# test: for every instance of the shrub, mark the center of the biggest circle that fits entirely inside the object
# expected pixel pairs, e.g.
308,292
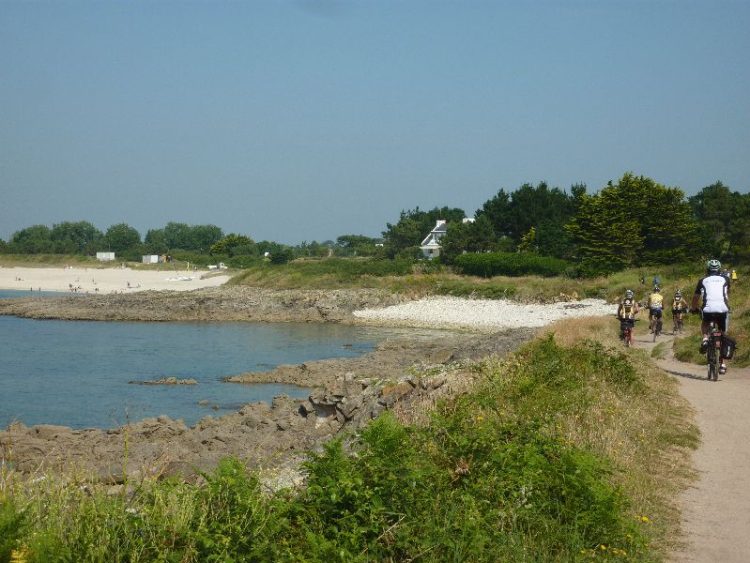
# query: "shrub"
510,264
11,522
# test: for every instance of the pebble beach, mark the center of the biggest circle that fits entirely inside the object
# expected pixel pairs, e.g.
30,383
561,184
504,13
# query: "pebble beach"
481,314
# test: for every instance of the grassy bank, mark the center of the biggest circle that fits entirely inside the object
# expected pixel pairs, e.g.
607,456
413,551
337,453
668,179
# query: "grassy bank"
568,450
427,278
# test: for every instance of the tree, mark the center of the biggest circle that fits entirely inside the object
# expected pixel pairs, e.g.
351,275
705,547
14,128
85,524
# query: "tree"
607,239
235,245
282,256
515,214
32,240
528,242
121,238
156,241
204,236
724,219
75,237
356,245
198,238
314,249
476,236
635,221
178,236
497,211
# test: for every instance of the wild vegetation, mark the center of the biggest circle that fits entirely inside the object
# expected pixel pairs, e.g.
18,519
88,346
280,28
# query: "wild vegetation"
634,221
571,449
556,453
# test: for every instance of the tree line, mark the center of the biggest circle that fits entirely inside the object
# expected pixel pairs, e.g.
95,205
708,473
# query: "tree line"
634,221
175,239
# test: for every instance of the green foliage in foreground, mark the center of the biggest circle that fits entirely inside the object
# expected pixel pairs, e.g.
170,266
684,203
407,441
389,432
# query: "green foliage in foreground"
492,477
510,264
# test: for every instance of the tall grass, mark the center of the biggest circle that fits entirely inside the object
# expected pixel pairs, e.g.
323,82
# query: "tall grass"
561,452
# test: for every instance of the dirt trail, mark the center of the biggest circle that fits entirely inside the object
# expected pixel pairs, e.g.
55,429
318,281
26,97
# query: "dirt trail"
716,509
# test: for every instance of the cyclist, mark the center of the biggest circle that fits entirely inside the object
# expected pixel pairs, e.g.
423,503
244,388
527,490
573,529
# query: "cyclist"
712,292
679,307
655,306
626,311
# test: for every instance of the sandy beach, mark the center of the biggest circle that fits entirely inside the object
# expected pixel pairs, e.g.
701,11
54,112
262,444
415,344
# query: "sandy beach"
107,280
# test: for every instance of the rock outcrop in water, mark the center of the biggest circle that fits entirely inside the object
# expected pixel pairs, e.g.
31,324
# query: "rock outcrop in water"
403,375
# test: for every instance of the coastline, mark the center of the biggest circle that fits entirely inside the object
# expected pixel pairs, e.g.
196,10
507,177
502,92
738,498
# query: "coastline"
406,374
107,280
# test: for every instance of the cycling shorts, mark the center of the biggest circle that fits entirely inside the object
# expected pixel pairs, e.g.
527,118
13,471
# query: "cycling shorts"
719,318
656,312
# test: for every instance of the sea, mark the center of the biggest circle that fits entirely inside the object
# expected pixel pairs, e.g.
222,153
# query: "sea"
79,373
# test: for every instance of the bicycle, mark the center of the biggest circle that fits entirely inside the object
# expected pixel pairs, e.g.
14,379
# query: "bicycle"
678,318
627,326
713,351
656,322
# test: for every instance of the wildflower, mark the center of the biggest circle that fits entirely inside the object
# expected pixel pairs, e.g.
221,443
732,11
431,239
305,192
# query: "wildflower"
645,519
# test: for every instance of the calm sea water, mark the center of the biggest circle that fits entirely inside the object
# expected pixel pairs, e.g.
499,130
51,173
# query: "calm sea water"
76,373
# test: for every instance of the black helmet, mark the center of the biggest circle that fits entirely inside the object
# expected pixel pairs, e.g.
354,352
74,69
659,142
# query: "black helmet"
657,289
713,266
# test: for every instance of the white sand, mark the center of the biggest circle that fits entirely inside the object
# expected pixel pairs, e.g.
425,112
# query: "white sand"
107,280
483,314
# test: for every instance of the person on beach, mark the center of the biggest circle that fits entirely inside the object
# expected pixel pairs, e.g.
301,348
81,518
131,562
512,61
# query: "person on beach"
711,298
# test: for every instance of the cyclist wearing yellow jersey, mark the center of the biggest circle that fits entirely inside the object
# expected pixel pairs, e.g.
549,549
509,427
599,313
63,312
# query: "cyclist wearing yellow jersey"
655,306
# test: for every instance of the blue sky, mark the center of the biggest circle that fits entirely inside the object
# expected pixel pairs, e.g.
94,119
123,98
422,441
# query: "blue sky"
306,120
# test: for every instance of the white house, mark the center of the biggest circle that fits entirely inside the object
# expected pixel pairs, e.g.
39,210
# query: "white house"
105,256
431,244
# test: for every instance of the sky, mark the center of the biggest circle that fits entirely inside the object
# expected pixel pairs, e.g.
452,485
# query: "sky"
306,120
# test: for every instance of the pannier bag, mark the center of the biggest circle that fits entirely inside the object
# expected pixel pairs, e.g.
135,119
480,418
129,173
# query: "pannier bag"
728,346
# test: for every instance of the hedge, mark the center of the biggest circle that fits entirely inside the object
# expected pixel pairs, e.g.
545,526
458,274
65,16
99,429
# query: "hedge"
510,264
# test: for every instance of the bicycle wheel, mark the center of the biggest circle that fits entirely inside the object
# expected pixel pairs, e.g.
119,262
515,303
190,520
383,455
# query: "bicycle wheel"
717,362
710,359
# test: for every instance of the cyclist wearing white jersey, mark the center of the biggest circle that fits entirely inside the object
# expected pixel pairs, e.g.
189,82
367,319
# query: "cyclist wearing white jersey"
712,296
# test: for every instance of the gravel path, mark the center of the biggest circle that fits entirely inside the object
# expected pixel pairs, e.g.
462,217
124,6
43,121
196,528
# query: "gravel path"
716,508
482,314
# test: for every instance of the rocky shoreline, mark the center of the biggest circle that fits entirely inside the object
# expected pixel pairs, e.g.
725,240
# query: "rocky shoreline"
226,303
403,374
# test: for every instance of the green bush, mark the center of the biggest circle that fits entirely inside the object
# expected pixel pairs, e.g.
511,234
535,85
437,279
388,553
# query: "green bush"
11,523
510,264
